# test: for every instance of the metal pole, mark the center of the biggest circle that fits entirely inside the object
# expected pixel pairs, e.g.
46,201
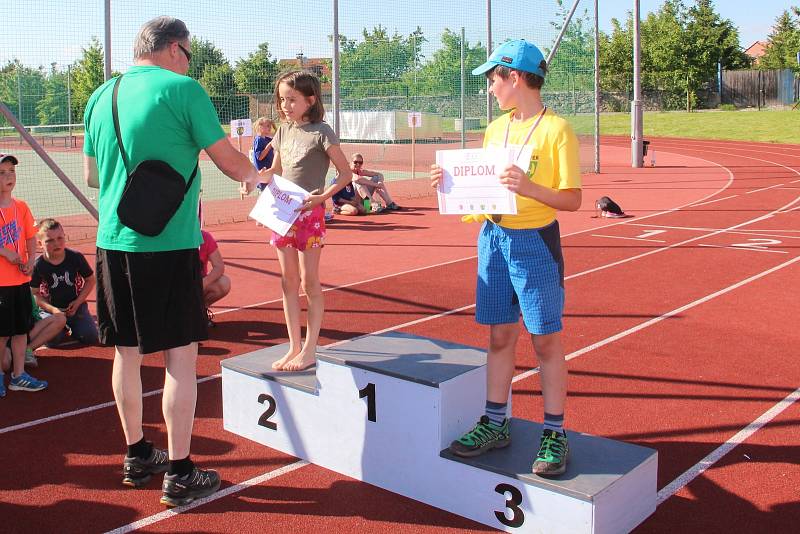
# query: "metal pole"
48,160
637,157
596,89
19,90
488,53
107,44
564,27
463,74
69,102
335,86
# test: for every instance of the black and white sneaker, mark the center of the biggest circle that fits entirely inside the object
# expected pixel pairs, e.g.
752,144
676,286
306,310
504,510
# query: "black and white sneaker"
137,472
180,491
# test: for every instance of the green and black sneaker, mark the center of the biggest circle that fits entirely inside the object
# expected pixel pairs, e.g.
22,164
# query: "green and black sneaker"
484,437
553,452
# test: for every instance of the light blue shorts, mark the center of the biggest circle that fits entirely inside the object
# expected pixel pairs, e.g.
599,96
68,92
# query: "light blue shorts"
520,271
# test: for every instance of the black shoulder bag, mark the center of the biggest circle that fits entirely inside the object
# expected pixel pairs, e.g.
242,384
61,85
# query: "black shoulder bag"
153,190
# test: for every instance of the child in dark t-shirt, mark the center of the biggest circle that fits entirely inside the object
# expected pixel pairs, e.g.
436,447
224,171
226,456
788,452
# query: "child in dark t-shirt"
61,282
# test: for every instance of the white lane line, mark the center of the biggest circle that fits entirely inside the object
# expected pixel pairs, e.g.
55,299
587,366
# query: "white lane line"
794,181
351,284
88,409
717,454
751,249
166,514
712,201
631,238
781,233
763,189
656,320
790,209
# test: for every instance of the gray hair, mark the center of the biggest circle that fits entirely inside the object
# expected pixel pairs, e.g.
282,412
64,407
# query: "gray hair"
157,34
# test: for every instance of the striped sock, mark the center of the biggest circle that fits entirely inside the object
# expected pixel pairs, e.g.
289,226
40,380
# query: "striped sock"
554,422
496,412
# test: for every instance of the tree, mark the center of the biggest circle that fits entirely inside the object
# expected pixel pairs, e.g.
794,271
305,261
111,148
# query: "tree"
376,65
204,53
217,80
21,89
87,75
572,65
52,109
442,74
257,73
616,56
783,43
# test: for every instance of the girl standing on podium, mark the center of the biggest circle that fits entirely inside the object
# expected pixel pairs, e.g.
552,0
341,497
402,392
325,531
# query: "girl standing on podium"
304,146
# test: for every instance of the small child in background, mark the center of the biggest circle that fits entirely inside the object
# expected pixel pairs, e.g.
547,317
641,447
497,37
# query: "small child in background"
17,255
263,153
62,281
215,284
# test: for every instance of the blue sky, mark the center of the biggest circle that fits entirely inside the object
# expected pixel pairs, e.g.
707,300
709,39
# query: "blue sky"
40,32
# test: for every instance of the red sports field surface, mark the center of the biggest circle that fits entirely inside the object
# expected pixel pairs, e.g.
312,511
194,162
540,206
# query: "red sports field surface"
678,327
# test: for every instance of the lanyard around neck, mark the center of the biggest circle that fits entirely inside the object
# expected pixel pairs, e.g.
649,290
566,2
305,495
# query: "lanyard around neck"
16,243
530,132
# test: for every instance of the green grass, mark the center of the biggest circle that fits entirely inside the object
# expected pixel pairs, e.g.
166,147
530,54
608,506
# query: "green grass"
769,126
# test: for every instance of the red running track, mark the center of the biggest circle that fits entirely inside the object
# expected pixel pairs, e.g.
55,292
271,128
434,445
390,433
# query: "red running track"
678,328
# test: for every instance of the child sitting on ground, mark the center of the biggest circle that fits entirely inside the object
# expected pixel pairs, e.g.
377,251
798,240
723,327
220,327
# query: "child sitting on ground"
61,282
215,284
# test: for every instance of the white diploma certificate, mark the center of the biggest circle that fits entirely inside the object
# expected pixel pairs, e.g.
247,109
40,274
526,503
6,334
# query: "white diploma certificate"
276,207
470,182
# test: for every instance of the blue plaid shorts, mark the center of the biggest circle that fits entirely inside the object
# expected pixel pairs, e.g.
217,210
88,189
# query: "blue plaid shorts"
520,271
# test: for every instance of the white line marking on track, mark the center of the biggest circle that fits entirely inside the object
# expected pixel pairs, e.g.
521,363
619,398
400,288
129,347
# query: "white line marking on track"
712,201
700,467
166,514
763,189
724,230
631,238
752,249
655,320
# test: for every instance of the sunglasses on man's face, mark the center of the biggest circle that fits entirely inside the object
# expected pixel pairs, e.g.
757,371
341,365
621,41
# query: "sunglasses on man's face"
185,52
358,162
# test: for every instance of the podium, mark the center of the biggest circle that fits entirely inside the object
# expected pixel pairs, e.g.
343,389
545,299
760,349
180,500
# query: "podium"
383,409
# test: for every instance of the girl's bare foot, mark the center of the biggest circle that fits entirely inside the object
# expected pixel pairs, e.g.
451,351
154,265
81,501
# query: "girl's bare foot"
279,364
301,362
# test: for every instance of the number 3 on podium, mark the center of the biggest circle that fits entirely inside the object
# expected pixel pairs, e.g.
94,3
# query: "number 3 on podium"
369,392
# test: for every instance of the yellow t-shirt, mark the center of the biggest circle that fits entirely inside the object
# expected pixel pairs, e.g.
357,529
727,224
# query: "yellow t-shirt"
553,162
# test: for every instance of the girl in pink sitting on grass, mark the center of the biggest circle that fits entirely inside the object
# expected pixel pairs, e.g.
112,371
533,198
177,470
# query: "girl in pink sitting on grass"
304,148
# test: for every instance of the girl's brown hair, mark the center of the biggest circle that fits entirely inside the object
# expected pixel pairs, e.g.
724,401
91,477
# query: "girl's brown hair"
307,84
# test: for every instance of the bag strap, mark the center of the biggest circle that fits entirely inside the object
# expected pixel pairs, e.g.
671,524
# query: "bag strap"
115,114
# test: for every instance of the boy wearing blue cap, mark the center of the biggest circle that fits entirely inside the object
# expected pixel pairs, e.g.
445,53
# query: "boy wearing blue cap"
520,265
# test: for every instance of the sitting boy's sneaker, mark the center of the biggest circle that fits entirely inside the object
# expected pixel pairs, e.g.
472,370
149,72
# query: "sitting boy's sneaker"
2,385
393,206
26,382
30,358
553,452
484,437
180,491
137,472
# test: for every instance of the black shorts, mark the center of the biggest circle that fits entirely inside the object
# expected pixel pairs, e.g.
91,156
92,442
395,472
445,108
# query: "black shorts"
16,310
150,300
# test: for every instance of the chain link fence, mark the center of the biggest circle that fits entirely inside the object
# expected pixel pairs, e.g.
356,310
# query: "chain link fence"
394,58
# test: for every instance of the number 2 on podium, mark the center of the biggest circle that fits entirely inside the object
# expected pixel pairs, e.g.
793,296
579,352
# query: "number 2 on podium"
270,411
369,392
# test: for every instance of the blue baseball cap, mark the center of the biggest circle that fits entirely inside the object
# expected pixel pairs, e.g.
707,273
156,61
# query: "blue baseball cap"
519,55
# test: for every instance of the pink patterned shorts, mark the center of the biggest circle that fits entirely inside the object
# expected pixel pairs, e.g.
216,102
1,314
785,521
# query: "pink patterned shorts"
308,231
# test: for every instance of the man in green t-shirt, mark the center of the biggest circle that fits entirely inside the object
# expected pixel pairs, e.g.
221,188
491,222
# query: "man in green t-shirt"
149,288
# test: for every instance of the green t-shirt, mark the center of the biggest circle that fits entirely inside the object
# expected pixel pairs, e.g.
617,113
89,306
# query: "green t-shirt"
162,115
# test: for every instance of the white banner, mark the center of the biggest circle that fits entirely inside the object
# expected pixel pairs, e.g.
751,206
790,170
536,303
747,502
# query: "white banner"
241,128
